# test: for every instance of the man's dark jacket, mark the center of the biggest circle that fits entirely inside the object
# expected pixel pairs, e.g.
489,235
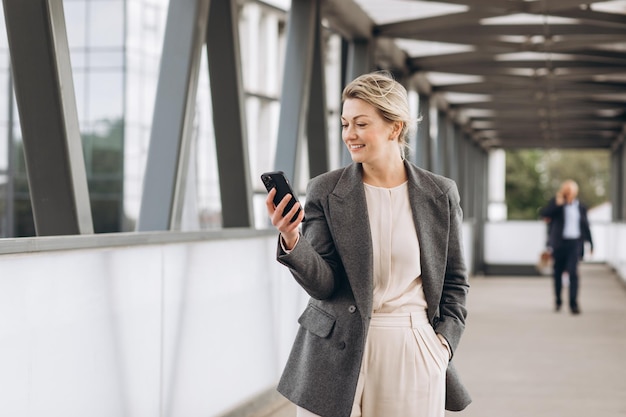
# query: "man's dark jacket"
556,214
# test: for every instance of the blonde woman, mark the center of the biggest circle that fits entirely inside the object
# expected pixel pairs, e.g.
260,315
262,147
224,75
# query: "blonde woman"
380,255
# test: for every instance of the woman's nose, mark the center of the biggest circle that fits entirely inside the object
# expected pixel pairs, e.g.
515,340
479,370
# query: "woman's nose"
348,133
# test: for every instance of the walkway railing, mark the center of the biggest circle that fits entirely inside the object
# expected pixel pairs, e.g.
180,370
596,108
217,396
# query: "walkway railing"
143,324
513,247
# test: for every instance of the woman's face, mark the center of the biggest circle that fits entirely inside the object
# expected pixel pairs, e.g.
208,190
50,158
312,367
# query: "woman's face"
369,137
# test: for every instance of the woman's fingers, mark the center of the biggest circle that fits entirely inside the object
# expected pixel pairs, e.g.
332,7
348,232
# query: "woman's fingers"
269,202
283,222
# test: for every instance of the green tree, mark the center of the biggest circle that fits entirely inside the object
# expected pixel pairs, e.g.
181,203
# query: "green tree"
533,176
589,168
525,190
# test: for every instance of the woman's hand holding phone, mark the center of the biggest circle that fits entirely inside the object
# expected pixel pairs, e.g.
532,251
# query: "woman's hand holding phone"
283,222
283,207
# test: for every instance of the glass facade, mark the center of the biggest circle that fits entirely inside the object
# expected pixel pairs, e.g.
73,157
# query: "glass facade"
115,48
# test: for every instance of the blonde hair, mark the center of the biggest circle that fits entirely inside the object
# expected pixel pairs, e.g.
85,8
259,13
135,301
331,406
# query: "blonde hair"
387,96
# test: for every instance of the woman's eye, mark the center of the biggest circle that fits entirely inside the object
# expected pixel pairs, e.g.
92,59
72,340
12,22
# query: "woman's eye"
361,124
343,125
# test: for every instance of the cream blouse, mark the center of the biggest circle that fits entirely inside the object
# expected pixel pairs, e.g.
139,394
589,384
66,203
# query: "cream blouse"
397,269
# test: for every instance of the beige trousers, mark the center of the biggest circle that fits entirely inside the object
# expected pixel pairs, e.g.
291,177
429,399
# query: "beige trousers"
403,373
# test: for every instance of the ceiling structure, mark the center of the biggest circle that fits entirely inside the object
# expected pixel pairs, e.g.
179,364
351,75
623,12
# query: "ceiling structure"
513,73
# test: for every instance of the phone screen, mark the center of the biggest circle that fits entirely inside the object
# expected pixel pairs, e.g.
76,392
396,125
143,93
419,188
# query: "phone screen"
277,179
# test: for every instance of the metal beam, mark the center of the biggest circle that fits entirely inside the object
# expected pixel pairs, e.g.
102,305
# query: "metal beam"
359,62
46,102
229,119
347,18
301,27
620,183
591,17
452,151
166,169
407,28
424,141
317,125
441,142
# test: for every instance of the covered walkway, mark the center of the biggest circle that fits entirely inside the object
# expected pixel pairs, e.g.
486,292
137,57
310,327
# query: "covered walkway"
132,217
519,358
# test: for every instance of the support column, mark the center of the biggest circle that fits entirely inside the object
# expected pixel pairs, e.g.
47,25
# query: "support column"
481,206
229,119
358,62
614,184
424,142
317,125
452,141
472,182
46,103
359,58
166,167
301,27
497,210
620,210
441,142
9,210
463,162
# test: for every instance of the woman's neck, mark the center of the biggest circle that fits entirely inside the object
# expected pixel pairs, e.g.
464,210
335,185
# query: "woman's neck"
387,177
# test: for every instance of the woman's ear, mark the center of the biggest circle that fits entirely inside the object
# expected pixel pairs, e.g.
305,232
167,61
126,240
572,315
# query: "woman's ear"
396,129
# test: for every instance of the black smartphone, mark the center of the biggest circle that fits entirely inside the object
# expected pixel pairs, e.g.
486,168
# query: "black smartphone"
277,179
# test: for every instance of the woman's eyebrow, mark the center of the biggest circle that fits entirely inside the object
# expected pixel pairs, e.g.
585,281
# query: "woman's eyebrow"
357,116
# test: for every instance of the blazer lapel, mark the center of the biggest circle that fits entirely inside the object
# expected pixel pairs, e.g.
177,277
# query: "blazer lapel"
350,227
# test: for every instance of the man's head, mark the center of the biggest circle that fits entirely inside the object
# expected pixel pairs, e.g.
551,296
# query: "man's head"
569,190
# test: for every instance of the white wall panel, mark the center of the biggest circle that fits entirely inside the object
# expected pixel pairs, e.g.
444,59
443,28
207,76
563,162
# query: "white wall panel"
181,329
521,242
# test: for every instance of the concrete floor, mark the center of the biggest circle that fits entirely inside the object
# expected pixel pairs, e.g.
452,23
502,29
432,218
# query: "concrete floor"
519,358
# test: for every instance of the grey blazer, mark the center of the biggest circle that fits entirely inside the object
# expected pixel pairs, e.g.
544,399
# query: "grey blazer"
333,262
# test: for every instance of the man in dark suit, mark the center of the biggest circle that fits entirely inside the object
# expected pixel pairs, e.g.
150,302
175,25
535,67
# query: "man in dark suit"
568,232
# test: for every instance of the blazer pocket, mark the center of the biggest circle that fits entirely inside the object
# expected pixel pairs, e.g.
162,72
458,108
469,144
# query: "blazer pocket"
317,321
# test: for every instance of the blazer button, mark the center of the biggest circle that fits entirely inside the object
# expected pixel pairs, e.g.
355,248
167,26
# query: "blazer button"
352,309
341,345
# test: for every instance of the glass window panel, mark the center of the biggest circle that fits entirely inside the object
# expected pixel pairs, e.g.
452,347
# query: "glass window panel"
3,33
105,210
134,60
106,59
4,59
106,23
75,23
105,96
17,129
135,152
78,58
4,95
202,190
80,92
153,27
4,147
133,27
152,18
148,92
134,97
